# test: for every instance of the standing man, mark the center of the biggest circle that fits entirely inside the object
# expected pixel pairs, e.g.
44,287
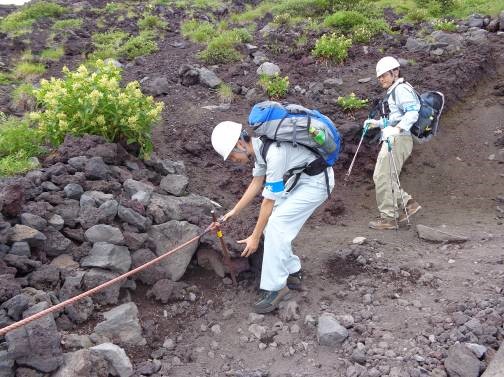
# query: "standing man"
403,106
283,211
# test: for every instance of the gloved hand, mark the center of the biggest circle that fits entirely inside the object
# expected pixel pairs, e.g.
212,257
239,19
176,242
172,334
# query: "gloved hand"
372,123
389,132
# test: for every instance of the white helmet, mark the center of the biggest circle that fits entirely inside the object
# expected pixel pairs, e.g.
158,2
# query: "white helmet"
388,63
225,135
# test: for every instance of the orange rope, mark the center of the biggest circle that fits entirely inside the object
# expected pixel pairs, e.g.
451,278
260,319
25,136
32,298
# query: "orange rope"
101,287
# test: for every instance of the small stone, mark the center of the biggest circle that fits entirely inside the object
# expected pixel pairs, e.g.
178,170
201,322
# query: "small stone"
169,344
359,240
227,313
262,346
364,80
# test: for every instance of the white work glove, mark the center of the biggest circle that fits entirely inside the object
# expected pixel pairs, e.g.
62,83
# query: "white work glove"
390,132
372,123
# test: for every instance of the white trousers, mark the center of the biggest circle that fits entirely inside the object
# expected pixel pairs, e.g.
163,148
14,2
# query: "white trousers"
289,214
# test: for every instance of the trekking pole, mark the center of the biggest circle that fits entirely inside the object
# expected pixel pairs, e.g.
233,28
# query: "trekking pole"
400,188
347,175
391,158
225,251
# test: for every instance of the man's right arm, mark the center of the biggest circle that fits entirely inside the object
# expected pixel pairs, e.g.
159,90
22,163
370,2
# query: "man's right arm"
252,191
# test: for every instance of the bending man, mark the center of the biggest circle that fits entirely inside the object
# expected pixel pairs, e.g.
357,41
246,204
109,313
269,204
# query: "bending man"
282,213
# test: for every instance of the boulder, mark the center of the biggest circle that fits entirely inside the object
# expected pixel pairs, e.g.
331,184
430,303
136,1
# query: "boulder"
109,209
268,69
23,233
6,365
209,78
118,362
133,218
135,241
104,233
45,278
139,191
96,169
109,257
57,222
165,289
83,363
169,235
17,305
439,234
478,36
174,184
95,277
156,86
12,198
476,21
94,198
73,191
461,362
33,221
78,163
501,21
451,41
37,344
21,249
152,274
416,45
69,211
188,75
56,244
164,167
191,208
122,326
72,286
329,331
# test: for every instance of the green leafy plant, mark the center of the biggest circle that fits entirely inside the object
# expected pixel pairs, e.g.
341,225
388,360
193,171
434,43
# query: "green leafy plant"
21,21
70,24
225,93
152,22
26,69
345,20
140,45
5,78
94,102
52,54
276,87
351,102
333,47
445,25
221,49
19,143
198,31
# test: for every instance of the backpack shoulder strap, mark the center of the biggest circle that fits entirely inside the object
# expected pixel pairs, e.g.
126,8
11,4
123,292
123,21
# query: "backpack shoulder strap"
266,146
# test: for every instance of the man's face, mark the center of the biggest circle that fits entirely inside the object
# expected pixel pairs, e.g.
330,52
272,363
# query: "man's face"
239,155
386,80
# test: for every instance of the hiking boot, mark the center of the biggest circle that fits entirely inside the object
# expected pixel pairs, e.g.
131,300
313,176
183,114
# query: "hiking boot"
383,224
270,300
412,207
295,280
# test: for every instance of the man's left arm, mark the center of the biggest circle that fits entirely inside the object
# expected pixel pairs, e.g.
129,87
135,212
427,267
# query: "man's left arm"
252,242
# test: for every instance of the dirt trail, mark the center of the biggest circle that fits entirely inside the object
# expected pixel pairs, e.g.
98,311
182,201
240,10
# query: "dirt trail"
456,184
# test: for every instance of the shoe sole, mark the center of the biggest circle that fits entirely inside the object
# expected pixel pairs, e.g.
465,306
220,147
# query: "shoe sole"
410,214
295,287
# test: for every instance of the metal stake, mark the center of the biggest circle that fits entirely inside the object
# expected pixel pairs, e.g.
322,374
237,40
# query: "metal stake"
225,251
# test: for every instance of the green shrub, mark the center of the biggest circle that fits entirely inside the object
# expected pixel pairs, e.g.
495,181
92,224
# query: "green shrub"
192,4
225,93
17,163
5,78
221,49
416,15
344,20
16,135
445,25
70,24
93,102
364,33
23,97
151,22
52,54
303,8
351,102
108,44
113,7
276,87
28,69
20,21
140,45
333,47
198,31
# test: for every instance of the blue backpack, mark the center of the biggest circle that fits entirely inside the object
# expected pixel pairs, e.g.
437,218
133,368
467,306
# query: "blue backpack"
291,123
273,122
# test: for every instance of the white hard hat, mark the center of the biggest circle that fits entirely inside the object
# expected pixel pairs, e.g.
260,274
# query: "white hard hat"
388,63
225,135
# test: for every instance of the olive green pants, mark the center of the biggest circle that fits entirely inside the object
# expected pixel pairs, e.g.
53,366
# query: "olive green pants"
401,150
